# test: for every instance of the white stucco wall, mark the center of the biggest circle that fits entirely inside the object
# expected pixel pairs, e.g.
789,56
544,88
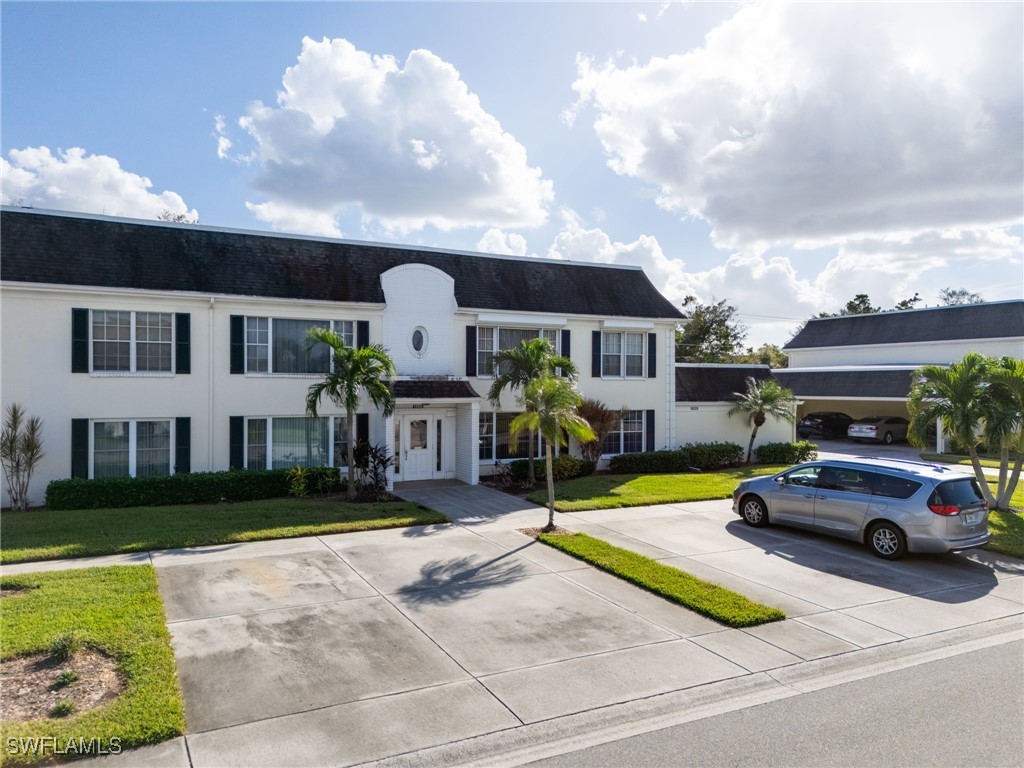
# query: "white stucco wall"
419,296
710,422
918,353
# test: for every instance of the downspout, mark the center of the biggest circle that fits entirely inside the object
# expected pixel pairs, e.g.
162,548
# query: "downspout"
211,373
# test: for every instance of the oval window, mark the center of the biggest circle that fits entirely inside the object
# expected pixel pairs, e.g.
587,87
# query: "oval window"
419,341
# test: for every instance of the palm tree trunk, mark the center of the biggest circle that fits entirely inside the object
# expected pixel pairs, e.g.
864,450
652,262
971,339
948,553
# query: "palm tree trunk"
350,428
551,488
980,474
1004,499
1004,464
750,446
531,479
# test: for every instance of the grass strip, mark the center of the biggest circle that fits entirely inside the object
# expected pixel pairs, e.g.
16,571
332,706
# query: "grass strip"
116,610
711,600
614,491
953,458
42,534
1007,531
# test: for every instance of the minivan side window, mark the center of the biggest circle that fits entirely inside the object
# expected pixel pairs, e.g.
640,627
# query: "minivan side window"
805,476
845,479
895,487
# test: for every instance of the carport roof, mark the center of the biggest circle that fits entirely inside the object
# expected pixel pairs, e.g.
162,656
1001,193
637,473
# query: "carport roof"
701,383
991,320
886,383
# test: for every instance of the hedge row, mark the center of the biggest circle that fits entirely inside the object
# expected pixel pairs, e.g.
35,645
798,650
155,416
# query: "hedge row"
193,488
690,457
786,453
563,467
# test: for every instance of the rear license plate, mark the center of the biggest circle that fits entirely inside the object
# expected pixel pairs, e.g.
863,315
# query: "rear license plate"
970,518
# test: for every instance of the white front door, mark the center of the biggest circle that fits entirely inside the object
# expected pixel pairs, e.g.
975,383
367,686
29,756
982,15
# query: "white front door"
418,448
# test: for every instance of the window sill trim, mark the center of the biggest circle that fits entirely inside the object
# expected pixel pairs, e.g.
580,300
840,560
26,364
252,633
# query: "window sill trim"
132,374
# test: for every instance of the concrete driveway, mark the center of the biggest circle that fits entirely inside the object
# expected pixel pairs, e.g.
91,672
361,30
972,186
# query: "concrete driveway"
344,649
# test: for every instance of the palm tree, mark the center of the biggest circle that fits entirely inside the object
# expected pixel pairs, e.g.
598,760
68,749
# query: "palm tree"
763,399
516,367
957,396
367,369
551,403
1004,423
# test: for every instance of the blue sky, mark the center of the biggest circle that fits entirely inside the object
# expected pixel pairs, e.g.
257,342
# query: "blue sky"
783,157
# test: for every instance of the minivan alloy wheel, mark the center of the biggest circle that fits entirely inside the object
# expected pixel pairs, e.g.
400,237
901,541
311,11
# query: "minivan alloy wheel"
887,541
754,512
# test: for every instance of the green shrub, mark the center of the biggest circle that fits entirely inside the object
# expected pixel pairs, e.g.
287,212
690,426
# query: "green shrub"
690,457
66,678
786,453
297,478
66,646
62,708
193,488
564,467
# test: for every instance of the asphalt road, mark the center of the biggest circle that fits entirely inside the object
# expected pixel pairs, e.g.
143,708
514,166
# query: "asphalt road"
966,710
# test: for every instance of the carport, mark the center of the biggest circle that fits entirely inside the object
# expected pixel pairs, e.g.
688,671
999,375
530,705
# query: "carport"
858,391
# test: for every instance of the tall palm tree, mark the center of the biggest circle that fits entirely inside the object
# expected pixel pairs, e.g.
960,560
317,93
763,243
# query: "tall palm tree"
551,403
367,369
958,396
1004,423
763,399
516,367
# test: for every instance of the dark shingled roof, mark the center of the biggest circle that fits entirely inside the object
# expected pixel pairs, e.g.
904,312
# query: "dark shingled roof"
97,251
837,384
969,321
715,384
433,389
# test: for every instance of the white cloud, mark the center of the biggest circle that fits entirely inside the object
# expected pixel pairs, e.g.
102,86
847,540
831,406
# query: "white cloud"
505,243
406,145
819,123
73,180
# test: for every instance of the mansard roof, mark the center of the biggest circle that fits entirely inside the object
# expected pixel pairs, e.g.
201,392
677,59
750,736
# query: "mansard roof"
709,383
840,383
89,250
991,320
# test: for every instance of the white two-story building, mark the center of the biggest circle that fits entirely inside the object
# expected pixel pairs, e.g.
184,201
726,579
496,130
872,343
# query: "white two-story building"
150,348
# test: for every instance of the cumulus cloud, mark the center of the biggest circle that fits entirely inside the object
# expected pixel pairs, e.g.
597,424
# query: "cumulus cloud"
404,145
73,180
816,124
505,243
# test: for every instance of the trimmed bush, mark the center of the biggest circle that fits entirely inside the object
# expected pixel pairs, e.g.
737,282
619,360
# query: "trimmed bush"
564,467
193,488
690,457
786,453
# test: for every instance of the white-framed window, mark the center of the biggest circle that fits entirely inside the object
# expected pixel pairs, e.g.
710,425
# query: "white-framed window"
283,442
622,354
131,342
491,339
278,345
130,448
628,438
496,443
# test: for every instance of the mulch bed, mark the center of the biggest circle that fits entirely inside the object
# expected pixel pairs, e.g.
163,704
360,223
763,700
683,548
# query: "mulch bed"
31,688
533,533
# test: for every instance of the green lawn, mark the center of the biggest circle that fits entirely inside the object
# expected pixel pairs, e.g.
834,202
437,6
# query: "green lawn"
612,491
47,534
953,458
118,611
711,600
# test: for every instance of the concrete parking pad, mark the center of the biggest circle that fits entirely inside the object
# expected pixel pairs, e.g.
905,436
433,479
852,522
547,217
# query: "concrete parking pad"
860,633
914,616
800,639
356,732
168,754
540,693
397,564
496,627
241,585
751,653
236,669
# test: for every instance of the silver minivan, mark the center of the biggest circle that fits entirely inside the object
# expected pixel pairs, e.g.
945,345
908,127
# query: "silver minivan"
891,505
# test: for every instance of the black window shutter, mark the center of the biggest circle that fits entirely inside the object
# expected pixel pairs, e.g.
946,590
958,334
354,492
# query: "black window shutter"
182,444
650,430
566,350
362,333
80,341
182,342
236,439
652,355
471,350
362,428
237,345
595,355
80,448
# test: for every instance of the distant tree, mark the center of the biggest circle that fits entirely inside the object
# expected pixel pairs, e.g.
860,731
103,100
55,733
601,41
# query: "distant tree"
367,369
861,305
551,404
712,333
603,421
908,303
954,297
766,354
763,399
177,218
